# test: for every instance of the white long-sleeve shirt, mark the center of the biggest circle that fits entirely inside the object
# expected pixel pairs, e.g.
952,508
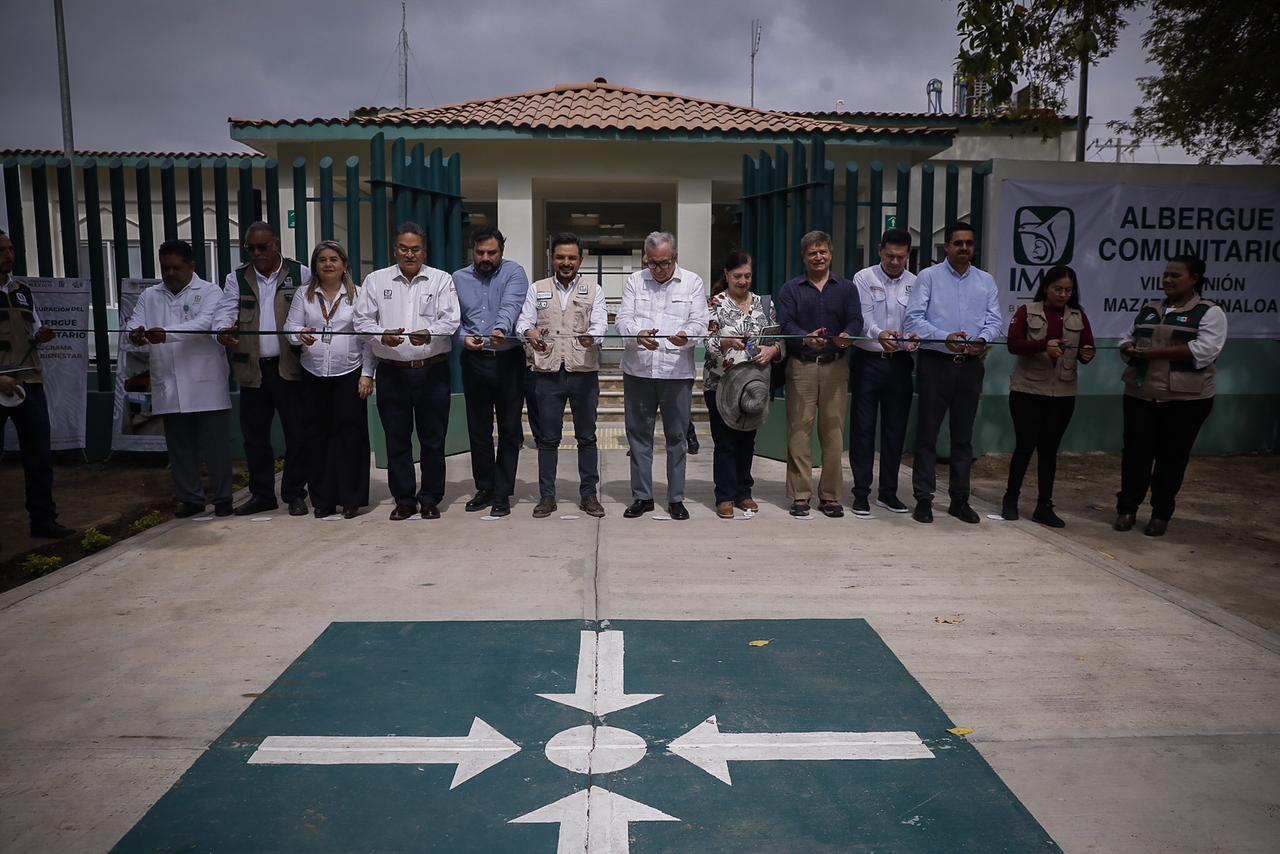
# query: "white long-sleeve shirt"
529,313
189,370
1210,338
343,353
884,303
672,307
269,345
388,300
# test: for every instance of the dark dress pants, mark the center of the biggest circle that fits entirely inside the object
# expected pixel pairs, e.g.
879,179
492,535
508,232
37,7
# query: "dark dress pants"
582,392
1039,423
337,441
410,398
258,408
879,385
193,438
945,386
494,386
532,404
731,458
31,421
1158,438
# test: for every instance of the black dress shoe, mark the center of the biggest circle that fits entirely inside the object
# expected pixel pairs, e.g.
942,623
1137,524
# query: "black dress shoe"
693,446
222,509
638,508
298,507
501,507
962,511
350,512
676,510
320,512
480,501
184,510
1009,507
428,509
54,531
256,505
1156,527
1124,522
1045,516
924,511
402,512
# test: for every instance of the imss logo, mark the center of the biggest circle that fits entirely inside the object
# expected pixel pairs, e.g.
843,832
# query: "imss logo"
1043,235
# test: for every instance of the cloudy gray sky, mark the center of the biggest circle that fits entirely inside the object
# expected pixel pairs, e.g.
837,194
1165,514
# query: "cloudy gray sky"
166,74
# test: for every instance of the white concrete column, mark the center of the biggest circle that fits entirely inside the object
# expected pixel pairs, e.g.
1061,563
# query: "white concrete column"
693,225
515,219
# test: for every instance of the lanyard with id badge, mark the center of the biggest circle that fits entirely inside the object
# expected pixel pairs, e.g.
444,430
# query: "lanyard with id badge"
327,312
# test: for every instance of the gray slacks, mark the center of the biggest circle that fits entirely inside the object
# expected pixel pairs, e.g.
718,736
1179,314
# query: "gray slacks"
644,398
193,438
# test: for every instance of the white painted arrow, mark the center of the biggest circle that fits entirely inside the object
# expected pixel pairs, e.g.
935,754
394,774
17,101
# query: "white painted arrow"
712,750
609,815
480,749
599,685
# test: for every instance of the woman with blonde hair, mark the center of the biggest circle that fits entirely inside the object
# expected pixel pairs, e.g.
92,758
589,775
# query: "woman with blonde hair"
338,379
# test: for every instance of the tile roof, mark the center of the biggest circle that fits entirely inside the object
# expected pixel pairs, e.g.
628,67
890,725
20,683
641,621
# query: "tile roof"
130,155
601,107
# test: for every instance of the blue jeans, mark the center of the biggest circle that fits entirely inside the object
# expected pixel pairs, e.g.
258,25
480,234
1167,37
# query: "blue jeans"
31,419
582,392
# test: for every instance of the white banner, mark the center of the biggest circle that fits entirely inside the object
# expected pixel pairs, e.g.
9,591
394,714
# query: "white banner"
1118,238
136,429
62,304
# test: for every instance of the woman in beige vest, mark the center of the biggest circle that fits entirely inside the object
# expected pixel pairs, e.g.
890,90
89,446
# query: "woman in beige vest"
1051,338
1168,391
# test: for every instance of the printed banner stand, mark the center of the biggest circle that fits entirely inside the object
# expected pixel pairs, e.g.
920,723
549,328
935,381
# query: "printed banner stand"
135,428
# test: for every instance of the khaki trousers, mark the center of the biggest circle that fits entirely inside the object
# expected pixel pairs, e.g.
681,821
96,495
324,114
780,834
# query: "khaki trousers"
821,392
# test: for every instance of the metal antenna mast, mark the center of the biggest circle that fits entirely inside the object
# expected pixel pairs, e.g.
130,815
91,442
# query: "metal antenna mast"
757,30
402,52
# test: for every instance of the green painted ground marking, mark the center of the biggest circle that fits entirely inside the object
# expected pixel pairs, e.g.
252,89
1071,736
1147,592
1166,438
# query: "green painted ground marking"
536,737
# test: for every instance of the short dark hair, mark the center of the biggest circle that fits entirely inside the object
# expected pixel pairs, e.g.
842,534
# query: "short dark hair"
735,259
410,227
259,225
487,232
896,237
1056,274
815,238
1194,264
181,248
564,238
958,225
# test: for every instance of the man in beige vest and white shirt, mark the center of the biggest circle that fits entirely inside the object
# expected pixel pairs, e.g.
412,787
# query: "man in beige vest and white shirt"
563,319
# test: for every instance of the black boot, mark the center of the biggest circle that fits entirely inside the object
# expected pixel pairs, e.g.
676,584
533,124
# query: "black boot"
1045,516
1009,507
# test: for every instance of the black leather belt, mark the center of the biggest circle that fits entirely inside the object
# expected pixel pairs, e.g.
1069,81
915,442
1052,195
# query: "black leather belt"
820,358
414,363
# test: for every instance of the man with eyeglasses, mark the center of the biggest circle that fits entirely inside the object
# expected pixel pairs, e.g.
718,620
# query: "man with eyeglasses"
255,300
663,305
412,309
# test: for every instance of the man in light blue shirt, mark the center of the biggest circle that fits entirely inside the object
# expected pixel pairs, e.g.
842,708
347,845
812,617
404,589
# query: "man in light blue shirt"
956,308
491,294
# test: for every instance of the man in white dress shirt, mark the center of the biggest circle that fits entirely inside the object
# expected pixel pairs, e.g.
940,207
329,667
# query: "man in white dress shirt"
172,321
256,296
663,304
413,309
880,379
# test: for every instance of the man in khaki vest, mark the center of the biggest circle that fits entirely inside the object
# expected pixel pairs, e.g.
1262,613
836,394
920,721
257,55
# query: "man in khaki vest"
267,369
22,394
563,319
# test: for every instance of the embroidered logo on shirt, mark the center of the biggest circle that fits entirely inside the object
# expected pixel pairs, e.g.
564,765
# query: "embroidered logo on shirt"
20,297
386,294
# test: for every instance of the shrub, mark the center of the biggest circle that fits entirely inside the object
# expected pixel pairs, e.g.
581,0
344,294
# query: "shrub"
37,564
94,540
144,522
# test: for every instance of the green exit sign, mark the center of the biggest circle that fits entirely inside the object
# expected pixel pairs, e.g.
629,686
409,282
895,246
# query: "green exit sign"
890,220
292,216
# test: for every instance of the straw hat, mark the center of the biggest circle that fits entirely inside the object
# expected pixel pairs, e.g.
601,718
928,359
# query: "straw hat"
742,396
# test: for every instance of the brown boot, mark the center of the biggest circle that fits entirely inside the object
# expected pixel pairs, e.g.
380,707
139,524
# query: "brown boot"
545,507
591,506
748,504
725,509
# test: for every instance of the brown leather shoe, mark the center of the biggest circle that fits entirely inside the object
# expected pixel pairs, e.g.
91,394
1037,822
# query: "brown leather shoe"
429,510
725,509
545,507
402,512
748,504
591,506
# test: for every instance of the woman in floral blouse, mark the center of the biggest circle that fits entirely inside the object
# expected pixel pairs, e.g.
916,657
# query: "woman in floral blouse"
738,316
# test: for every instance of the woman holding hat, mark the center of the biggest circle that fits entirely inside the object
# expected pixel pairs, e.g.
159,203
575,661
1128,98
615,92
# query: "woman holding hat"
735,381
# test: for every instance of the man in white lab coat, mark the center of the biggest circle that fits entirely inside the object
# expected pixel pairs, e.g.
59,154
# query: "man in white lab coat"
188,376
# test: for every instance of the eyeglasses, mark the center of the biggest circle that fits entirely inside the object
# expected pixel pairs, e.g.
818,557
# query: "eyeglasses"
659,265
257,247
410,250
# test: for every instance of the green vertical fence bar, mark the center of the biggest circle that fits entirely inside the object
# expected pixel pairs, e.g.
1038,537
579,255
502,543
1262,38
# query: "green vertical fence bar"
119,224
146,224
421,205
70,227
400,200
97,273
797,200
977,208
436,183
222,218
195,192
378,195
13,203
764,225
817,197
326,198
748,222
244,203
826,203
301,243
169,199
875,216
272,170
902,202
926,215
40,201
852,252
353,215
453,208
778,201
952,198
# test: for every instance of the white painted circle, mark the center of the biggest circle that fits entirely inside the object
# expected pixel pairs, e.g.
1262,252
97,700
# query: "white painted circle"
595,750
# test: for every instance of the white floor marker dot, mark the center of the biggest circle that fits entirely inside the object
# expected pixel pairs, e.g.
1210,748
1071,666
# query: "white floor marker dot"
996,517
568,517
862,515
201,518
261,519
661,517
490,518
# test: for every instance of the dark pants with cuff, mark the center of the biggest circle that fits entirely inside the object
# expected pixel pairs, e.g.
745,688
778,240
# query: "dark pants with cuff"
494,386
258,408
1039,423
879,385
1158,438
31,421
731,458
582,392
337,441
945,386
193,438
409,399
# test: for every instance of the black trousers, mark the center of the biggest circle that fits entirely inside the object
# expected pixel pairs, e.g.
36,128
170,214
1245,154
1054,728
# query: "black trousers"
494,386
31,420
581,391
1158,438
732,456
193,438
945,386
532,405
337,441
258,408
410,398
1039,423
878,386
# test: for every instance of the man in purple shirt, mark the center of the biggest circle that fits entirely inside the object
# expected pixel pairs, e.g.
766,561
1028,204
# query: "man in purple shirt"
825,309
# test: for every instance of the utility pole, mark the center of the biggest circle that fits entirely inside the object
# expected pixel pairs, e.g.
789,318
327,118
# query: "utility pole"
64,85
757,30
402,53
1083,43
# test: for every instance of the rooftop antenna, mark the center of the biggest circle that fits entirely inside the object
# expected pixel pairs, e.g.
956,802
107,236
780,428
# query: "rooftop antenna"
402,53
934,92
757,30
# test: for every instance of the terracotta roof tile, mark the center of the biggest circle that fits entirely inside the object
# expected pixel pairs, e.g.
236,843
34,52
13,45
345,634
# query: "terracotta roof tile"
125,155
